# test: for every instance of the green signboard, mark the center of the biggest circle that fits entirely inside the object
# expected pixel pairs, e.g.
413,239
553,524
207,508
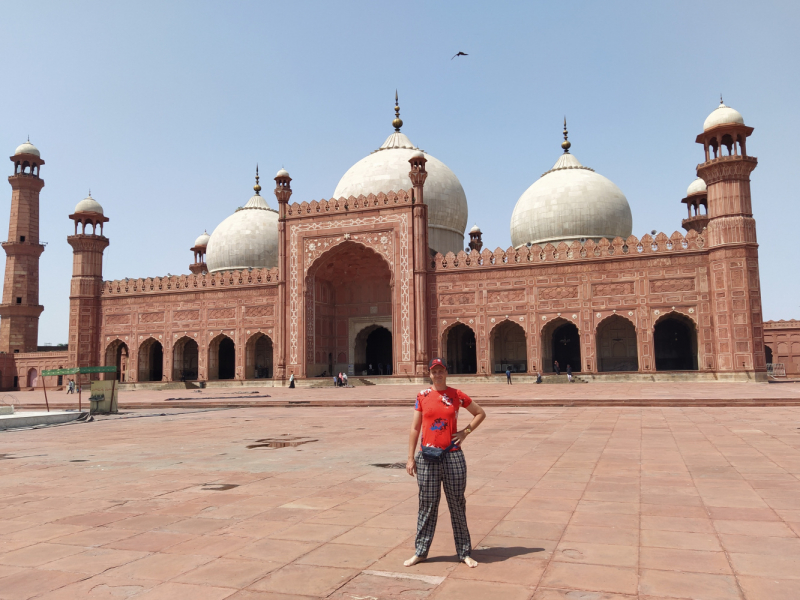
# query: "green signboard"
76,370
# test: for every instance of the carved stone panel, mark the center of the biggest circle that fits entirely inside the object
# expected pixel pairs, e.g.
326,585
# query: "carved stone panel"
506,296
558,293
118,319
221,313
621,288
186,315
671,285
259,311
457,299
151,317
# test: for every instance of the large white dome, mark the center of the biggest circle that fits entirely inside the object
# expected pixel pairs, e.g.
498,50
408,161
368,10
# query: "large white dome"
386,170
246,239
723,115
568,203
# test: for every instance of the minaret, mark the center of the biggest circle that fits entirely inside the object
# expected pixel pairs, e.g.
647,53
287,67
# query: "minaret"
87,283
20,310
731,238
199,265
283,191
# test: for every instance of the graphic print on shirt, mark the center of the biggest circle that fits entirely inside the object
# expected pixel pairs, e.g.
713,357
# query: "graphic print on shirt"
440,415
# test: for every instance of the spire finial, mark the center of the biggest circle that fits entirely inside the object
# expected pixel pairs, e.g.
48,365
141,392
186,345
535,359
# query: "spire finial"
720,99
90,192
565,144
398,122
29,138
257,187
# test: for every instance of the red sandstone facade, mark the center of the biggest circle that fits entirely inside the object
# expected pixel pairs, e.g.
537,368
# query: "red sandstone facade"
357,271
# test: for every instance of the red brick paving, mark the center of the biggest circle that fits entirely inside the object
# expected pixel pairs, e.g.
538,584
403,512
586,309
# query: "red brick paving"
607,503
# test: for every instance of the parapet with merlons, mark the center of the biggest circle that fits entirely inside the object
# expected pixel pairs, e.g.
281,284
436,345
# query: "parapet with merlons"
347,205
200,282
618,248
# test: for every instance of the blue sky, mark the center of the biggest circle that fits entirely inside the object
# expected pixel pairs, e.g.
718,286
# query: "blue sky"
163,109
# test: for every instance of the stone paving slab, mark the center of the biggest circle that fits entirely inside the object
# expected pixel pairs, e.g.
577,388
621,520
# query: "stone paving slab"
589,503
489,394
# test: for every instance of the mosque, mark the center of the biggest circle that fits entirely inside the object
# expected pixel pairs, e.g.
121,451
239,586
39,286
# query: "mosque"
380,278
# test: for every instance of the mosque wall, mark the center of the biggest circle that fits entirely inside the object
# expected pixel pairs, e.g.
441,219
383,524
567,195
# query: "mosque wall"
139,313
643,281
783,340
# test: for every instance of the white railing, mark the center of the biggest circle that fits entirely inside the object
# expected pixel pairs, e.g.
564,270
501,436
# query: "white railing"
776,370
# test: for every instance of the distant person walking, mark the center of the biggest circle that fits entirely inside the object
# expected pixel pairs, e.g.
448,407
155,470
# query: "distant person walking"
344,379
508,375
441,461
538,377
291,380
569,373
556,368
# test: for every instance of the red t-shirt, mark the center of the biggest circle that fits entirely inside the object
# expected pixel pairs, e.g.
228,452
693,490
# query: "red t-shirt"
440,415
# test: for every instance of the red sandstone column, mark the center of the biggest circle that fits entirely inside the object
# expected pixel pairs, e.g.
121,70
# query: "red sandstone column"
20,310
733,257
283,191
419,237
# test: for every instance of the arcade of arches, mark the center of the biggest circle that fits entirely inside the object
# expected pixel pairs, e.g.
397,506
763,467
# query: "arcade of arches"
352,299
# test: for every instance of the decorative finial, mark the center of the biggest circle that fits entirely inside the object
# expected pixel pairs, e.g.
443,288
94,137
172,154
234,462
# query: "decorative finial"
257,187
398,122
90,192
720,99
29,138
565,144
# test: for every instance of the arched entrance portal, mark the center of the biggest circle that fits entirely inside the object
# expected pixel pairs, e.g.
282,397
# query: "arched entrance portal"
185,356
768,352
509,348
221,358
460,349
373,351
350,289
117,355
675,341
33,378
258,354
561,341
616,345
151,360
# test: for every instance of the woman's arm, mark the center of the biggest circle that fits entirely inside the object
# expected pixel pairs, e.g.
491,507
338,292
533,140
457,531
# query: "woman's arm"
413,436
478,415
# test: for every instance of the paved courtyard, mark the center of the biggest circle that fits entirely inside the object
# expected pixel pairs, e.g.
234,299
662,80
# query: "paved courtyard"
564,503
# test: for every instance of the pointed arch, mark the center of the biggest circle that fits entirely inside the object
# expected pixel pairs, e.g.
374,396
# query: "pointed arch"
117,354
259,356
617,345
459,348
675,342
221,358
185,359
561,341
151,360
508,347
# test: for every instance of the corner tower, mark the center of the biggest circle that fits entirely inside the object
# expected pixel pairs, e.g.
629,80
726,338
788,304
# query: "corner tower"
20,310
731,239
87,283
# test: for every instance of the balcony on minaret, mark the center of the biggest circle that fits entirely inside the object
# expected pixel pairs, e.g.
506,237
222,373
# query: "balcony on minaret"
696,202
89,213
199,265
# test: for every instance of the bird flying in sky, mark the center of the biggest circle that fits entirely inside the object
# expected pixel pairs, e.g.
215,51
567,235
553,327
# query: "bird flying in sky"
460,54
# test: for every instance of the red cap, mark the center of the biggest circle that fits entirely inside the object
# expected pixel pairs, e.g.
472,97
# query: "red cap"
437,361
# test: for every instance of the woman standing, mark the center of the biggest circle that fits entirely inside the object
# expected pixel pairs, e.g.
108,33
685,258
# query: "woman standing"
441,461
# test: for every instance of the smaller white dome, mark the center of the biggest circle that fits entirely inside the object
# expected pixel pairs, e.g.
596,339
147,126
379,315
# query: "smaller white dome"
475,229
698,186
418,155
202,241
87,205
27,148
282,173
723,115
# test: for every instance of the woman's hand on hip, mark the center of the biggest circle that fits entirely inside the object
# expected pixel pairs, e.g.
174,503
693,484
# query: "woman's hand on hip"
458,437
411,467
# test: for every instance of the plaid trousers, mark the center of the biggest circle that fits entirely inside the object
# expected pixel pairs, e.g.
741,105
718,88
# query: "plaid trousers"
431,475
